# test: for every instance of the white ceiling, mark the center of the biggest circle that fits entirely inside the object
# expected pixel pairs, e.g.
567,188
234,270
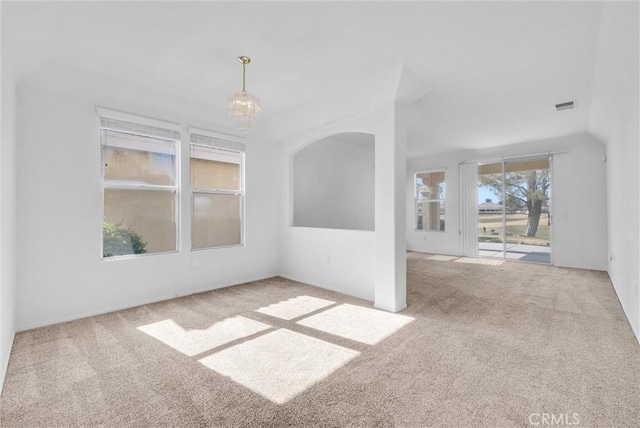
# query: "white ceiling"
494,70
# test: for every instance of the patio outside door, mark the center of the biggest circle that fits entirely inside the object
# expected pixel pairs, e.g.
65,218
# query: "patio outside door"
514,213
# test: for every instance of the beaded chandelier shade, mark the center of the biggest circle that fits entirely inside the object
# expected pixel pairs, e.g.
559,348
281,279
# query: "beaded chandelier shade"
244,107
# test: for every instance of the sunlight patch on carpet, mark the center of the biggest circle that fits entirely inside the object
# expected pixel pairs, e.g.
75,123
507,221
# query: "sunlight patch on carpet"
441,258
279,365
473,261
294,307
194,342
363,325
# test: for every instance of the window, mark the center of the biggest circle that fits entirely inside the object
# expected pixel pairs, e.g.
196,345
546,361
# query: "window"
217,202
140,188
430,197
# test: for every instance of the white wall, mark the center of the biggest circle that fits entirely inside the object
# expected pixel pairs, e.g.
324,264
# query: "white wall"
8,222
432,241
391,239
366,264
579,201
614,119
61,274
333,181
336,259
579,208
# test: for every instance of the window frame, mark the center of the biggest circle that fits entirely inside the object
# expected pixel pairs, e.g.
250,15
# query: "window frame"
106,185
219,142
417,202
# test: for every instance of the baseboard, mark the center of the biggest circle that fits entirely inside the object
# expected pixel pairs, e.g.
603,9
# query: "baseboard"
634,330
443,253
302,281
571,266
5,364
132,305
393,310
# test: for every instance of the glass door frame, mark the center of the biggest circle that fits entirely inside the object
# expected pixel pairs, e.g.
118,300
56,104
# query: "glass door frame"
503,162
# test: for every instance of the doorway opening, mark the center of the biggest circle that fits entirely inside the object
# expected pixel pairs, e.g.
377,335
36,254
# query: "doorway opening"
514,209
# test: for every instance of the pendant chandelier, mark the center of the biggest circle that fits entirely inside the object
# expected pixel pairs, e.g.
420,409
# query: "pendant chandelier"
244,108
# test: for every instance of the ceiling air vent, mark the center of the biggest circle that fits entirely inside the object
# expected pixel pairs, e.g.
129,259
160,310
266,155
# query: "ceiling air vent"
565,106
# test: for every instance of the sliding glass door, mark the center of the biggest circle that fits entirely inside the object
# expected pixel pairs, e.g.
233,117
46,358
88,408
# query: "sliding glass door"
491,220
514,213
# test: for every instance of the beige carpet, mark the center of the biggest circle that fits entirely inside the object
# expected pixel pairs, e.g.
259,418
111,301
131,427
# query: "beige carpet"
478,346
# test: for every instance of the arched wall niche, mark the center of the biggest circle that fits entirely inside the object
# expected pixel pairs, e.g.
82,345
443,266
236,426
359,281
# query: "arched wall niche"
333,182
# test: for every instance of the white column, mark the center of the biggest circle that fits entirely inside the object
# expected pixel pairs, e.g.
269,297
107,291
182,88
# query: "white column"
390,208
469,208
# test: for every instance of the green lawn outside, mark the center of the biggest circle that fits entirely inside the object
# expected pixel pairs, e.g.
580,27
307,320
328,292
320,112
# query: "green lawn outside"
516,226
489,218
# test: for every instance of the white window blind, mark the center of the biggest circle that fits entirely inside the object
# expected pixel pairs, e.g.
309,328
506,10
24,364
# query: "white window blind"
138,128
218,143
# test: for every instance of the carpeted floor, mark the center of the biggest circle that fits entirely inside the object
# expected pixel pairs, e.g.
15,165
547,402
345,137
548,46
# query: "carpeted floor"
488,346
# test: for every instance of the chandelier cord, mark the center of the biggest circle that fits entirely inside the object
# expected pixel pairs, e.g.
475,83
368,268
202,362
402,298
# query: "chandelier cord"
244,71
